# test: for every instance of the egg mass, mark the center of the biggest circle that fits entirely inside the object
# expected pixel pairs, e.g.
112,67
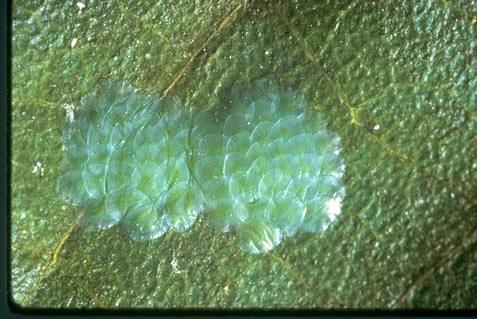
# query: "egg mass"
260,165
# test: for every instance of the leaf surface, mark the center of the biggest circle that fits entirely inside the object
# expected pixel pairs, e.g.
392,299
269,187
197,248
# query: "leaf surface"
396,81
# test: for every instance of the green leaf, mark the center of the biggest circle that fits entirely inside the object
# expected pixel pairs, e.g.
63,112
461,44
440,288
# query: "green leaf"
396,81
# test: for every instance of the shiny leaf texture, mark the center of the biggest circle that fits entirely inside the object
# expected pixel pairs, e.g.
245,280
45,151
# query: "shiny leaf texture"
395,80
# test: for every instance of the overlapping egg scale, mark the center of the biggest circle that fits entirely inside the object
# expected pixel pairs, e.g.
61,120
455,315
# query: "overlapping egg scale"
268,167
126,161
261,165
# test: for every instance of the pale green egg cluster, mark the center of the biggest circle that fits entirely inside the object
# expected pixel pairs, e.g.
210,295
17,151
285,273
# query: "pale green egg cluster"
268,167
259,165
127,161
